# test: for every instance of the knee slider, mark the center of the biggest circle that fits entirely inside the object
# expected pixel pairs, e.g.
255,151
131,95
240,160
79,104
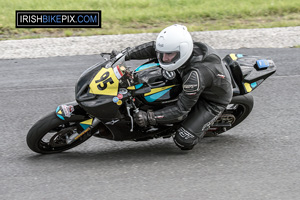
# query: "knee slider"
184,139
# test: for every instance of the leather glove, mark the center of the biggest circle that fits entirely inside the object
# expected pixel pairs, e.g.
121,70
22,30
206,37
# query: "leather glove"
144,119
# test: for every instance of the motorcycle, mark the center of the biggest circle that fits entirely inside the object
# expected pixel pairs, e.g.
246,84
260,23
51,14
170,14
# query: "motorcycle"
108,93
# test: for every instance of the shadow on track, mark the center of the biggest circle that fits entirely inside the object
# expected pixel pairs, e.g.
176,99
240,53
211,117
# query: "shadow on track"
208,148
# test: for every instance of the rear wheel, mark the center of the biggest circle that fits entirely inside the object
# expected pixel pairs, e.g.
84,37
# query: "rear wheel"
50,135
236,112
244,105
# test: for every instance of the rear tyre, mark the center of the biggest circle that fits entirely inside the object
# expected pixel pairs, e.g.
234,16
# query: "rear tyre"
244,107
50,133
238,110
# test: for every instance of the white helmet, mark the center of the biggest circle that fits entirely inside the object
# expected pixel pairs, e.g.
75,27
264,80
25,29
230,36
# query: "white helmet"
174,46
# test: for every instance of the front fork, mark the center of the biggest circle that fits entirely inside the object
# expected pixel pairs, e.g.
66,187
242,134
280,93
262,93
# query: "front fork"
71,112
75,136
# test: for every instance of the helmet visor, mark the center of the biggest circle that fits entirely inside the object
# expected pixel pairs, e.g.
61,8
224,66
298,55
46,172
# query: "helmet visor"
168,57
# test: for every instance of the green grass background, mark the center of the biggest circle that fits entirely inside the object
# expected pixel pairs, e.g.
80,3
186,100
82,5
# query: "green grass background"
140,16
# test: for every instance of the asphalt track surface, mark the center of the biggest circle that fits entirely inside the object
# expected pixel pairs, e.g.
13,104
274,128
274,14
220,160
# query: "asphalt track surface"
259,159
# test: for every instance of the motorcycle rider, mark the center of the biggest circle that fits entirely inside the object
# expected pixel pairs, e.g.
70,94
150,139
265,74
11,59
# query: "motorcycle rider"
207,88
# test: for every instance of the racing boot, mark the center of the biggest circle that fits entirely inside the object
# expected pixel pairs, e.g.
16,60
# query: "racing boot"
184,139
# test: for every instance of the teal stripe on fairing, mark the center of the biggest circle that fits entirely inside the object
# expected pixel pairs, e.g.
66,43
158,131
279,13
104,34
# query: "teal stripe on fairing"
146,66
154,97
138,86
84,126
61,117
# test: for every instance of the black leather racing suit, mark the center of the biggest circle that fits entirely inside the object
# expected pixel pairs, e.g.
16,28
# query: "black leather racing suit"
207,90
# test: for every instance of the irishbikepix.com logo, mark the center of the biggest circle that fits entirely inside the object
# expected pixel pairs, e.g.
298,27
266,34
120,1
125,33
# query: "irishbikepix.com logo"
58,19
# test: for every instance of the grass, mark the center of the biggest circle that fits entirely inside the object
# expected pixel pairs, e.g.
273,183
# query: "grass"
132,16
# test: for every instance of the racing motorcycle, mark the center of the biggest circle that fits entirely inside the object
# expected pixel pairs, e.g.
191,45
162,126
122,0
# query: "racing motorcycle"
108,93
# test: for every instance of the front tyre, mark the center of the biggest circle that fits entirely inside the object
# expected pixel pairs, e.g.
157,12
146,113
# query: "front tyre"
50,134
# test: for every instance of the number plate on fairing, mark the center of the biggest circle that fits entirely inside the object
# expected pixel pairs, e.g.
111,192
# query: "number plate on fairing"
105,83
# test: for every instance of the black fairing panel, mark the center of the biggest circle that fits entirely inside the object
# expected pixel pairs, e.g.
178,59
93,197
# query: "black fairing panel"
246,73
100,106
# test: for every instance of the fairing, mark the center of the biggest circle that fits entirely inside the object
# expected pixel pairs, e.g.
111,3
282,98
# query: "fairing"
248,71
98,90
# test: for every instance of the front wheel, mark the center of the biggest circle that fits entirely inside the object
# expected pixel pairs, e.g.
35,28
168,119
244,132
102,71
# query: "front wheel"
50,134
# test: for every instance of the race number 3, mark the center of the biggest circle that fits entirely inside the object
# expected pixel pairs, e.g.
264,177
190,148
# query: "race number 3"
105,83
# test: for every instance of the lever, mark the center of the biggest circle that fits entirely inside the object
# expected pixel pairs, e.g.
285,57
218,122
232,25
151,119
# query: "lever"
131,118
